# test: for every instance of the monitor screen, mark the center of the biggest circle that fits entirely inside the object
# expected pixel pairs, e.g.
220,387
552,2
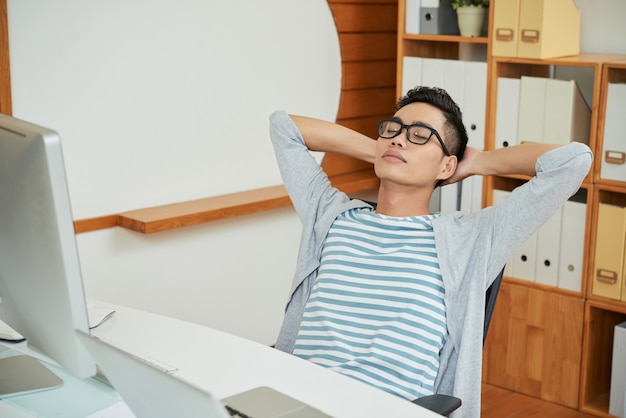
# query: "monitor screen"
41,289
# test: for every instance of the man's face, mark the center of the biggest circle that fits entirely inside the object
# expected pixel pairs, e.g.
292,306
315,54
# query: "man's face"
402,162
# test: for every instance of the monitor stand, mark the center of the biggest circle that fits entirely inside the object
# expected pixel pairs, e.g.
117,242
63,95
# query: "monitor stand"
21,374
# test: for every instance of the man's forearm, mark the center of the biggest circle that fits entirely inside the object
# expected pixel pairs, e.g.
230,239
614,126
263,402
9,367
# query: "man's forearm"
518,159
320,135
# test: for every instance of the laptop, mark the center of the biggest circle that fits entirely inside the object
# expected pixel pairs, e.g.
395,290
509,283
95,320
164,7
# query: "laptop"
152,392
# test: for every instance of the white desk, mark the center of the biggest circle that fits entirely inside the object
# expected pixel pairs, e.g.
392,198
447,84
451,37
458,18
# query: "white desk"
225,365
221,363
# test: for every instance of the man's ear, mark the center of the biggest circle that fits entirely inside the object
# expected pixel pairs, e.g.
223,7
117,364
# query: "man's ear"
448,168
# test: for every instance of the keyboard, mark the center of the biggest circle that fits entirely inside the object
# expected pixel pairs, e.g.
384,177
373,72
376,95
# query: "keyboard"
145,358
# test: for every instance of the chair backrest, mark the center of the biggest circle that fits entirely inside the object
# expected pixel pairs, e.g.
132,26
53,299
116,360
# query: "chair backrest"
490,301
446,404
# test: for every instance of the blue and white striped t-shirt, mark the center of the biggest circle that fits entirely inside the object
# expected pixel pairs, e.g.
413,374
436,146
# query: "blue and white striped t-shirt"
376,311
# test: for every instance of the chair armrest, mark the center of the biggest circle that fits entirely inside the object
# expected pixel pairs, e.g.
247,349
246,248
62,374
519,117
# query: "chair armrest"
441,404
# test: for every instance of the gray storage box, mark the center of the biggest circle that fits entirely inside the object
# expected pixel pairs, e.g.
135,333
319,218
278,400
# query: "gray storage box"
438,17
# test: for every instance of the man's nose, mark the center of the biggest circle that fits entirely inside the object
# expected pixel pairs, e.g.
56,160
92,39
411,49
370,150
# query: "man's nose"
400,139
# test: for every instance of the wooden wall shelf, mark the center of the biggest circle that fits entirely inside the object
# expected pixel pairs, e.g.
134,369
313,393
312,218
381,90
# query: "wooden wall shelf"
177,215
447,38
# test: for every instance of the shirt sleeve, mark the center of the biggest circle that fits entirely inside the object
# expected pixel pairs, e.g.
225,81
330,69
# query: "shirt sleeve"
560,173
307,184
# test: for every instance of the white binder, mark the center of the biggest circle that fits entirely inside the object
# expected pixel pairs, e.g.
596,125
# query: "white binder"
614,147
471,194
507,112
474,111
467,193
432,72
525,259
475,102
567,116
454,84
531,109
547,261
412,18
449,198
411,73
454,81
474,107
573,221
477,193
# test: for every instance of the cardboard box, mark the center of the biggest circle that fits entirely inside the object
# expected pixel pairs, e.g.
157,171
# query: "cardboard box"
537,29
505,28
610,248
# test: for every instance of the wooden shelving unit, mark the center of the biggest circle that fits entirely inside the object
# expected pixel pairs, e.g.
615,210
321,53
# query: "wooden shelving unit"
601,314
547,342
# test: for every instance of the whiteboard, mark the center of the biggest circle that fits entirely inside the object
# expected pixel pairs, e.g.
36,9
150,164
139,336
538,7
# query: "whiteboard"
165,101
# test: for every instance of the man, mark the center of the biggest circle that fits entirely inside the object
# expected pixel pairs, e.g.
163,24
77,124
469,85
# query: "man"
395,296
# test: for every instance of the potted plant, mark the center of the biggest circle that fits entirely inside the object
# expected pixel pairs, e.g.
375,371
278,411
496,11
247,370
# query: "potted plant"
470,15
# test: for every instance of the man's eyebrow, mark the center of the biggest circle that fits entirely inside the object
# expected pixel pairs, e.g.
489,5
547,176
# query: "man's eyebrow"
415,122
422,123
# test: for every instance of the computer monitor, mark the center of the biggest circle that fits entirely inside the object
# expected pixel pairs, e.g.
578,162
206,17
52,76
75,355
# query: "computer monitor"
41,289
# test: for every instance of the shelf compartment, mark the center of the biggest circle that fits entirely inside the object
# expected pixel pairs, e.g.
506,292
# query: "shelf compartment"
586,69
614,72
534,344
603,194
600,320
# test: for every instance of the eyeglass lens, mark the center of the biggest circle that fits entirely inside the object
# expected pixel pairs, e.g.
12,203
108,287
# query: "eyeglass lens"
415,133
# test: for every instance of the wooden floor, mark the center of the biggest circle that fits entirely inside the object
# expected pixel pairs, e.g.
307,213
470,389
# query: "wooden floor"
501,403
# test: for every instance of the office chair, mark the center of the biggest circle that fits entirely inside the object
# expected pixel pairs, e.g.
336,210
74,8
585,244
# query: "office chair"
446,404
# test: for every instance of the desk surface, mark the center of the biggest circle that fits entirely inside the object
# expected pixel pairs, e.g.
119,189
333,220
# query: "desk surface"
225,364
221,363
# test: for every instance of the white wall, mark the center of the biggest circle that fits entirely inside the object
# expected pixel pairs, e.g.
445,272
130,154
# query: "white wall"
159,102
602,28
232,274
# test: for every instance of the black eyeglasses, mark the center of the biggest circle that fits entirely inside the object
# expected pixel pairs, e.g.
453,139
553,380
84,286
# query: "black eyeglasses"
416,133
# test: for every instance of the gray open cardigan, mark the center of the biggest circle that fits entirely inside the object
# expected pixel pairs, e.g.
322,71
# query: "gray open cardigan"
472,248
